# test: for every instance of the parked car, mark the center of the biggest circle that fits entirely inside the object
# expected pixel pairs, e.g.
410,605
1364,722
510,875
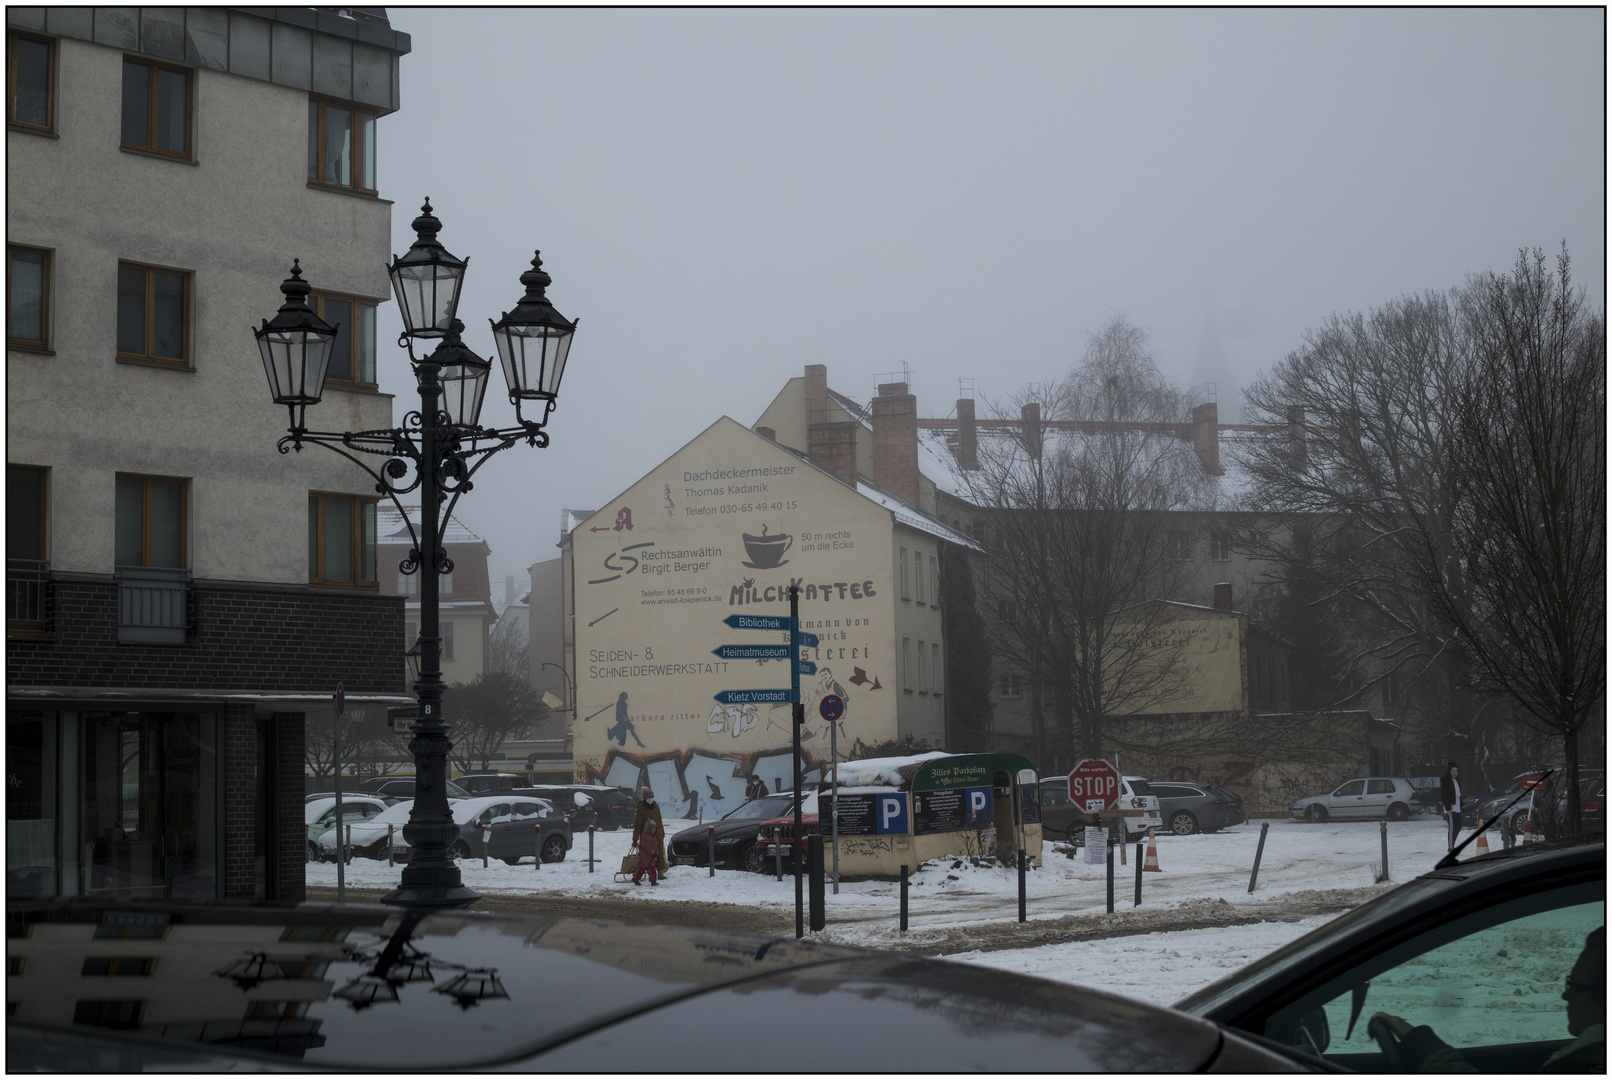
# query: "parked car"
395,789
369,837
513,824
735,834
320,816
361,988
489,783
605,808
1369,797
1517,916
1190,808
775,840
1061,819
1236,813
1592,798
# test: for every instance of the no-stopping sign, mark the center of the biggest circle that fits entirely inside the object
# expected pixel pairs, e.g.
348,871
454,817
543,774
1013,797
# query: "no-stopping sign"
1094,785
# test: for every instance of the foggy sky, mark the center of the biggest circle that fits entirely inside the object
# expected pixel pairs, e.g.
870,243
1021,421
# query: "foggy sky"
723,197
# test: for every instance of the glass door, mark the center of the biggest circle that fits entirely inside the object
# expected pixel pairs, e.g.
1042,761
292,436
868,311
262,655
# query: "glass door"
150,816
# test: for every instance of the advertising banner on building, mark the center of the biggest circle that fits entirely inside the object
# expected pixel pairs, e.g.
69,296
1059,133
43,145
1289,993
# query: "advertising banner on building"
725,526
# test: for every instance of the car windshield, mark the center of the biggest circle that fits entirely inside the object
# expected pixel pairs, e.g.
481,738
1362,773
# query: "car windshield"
759,810
1139,786
456,792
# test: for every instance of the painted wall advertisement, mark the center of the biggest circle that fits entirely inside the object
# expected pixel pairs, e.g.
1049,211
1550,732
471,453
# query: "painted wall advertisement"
725,526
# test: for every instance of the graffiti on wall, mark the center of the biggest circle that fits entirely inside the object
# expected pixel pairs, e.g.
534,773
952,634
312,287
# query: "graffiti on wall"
706,783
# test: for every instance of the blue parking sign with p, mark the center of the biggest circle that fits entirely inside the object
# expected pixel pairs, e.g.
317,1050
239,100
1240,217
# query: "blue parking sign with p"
979,806
890,814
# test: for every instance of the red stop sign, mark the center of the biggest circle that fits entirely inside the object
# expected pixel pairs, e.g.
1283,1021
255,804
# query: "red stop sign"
1094,785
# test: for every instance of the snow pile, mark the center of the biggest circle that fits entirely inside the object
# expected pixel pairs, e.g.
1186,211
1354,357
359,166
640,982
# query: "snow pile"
883,772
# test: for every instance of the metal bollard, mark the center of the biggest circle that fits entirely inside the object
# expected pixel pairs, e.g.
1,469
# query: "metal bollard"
347,853
903,898
1385,851
710,849
537,847
1139,845
486,841
1110,853
778,853
1259,853
1022,861
389,853
814,864
590,849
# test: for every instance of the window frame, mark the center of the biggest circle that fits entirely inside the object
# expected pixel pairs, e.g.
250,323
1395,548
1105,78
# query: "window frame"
906,665
923,667
906,593
1219,546
12,37
150,145
146,481
318,300
31,627
1010,687
12,341
316,578
187,303
320,104
1180,541
937,681
934,581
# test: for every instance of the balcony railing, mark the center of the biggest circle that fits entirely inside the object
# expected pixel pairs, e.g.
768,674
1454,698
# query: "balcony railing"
151,605
26,595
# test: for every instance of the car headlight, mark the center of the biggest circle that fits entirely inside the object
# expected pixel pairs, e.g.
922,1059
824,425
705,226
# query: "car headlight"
727,840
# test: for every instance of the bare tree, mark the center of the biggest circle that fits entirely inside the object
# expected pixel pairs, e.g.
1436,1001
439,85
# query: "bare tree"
484,712
364,738
1529,447
1078,539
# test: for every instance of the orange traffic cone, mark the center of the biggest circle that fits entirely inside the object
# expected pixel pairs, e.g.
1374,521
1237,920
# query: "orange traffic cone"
1483,844
1152,860
1528,829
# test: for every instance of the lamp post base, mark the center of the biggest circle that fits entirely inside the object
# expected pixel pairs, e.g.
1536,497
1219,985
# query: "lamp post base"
433,897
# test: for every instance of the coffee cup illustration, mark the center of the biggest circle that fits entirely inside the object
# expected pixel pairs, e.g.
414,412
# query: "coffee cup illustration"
766,551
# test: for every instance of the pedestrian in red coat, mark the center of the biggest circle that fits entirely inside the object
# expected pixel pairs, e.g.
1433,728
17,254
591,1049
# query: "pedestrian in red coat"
648,854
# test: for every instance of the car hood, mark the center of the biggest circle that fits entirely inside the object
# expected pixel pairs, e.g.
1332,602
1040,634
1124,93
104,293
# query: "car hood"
380,989
723,829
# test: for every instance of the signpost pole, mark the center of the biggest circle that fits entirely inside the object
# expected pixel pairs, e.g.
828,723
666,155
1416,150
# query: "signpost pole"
336,709
800,720
834,797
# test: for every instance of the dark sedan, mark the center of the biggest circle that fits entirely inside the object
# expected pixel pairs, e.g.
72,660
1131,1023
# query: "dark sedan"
1193,808
1476,951
735,834
328,988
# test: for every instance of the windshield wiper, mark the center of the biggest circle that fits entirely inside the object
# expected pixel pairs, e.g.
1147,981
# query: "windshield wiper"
1528,789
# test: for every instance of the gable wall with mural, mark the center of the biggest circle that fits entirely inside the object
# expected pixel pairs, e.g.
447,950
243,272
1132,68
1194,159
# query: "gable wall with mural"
723,527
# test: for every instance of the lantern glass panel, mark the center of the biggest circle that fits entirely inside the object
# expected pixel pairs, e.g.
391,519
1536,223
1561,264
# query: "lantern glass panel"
463,387
533,358
295,362
428,294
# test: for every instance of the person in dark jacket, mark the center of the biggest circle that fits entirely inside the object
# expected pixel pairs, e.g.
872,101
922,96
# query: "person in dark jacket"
1449,790
648,810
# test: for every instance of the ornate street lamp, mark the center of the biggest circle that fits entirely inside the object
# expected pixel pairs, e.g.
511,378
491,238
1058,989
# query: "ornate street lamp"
437,450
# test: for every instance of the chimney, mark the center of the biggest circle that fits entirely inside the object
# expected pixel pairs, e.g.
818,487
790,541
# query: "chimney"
895,441
1206,437
829,446
1297,453
968,456
1223,595
1030,417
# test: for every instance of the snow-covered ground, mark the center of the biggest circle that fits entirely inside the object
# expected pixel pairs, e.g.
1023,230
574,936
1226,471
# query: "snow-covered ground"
1298,858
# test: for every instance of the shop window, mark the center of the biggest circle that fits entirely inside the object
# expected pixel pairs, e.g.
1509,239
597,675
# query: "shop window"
341,541
31,804
26,566
352,354
27,297
30,82
150,522
341,146
153,315
156,108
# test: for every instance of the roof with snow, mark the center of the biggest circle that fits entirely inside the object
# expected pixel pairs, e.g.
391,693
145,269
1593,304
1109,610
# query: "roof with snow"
886,772
390,527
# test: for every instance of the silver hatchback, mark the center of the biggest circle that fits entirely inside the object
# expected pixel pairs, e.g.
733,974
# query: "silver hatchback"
1368,798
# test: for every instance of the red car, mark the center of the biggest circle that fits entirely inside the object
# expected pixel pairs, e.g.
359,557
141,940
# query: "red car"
764,855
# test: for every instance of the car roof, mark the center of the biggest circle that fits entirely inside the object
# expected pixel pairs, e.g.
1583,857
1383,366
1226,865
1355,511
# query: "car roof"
314,809
560,980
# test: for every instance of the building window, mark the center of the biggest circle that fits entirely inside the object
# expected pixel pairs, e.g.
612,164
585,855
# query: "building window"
1262,545
906,663
906,593
447,639
341,146
1220,547
1007,612
28,297
150,522
156,108
934,582
1180,544
406,583
1011,686
153,314
25,549
937,678
352,354
1391,688
918,576
923,665
107,1014
30,79
341,540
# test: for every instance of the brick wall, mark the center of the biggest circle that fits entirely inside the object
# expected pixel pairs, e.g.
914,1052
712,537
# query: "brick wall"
240,799
254,639
895,441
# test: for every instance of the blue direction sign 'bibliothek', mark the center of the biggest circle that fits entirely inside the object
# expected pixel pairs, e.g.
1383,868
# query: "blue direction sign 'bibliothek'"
798,640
